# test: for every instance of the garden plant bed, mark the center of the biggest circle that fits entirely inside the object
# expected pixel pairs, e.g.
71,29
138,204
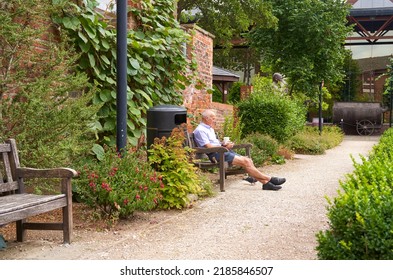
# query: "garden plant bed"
241,223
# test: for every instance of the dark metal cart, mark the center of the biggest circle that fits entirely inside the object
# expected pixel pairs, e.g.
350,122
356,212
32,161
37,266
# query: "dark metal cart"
364,118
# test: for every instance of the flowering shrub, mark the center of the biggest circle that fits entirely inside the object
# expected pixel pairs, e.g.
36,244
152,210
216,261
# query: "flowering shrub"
117,186
181,178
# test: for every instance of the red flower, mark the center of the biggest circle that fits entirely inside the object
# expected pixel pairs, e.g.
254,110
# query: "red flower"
92,186
106,186
138,197
113,171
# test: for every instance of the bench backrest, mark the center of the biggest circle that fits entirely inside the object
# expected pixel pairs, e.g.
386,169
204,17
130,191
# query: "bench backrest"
9,162
190,140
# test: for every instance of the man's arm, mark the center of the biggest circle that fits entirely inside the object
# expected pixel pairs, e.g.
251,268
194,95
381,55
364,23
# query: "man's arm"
208,145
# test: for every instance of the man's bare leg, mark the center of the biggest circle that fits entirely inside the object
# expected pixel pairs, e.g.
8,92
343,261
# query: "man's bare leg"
250,168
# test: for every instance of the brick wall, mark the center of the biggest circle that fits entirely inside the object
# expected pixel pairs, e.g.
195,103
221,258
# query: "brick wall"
132,23
245,91
201,50
197,100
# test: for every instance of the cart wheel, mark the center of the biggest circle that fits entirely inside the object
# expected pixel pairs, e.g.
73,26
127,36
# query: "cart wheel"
365,127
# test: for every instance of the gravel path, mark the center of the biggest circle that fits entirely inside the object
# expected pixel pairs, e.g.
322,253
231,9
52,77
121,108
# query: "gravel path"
242,223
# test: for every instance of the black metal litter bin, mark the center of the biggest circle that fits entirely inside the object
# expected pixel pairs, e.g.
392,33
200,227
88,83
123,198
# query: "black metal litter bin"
162,119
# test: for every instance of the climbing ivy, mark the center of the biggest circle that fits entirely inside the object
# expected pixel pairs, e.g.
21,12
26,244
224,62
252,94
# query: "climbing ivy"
156,64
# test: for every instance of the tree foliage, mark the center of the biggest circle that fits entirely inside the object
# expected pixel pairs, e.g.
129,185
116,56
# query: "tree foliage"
308,43
244,60
351,87
38,86
227,19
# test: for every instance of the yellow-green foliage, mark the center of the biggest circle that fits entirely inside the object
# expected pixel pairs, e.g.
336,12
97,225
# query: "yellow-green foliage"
181,178
264,149
233,128
310,141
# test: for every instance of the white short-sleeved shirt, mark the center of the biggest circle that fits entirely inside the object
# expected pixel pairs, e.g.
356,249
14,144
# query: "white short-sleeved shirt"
205,134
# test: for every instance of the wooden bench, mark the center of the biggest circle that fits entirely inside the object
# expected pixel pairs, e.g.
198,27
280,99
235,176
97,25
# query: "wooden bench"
202,161
16,205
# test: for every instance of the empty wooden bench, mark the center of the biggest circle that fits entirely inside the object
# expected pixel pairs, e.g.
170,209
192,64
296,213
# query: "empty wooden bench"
16,205
202,161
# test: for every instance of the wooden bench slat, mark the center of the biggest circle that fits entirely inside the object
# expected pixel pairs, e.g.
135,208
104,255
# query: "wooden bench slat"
7,168
5,148
10,203
6,187
31,211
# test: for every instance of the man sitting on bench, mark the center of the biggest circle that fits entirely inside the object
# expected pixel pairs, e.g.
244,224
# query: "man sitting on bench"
205,136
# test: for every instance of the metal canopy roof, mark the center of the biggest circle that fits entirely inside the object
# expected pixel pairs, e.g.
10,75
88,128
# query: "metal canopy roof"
373,25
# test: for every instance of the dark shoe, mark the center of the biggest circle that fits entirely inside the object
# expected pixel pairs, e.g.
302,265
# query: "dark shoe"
251,180
277,180
270,187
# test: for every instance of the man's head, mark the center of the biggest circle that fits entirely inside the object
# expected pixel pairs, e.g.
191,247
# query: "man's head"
208,117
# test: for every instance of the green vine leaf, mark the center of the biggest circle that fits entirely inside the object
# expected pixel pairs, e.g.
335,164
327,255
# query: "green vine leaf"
71,23
92,60
134,63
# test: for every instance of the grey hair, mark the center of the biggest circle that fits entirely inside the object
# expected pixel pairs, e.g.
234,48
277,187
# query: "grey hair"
207,114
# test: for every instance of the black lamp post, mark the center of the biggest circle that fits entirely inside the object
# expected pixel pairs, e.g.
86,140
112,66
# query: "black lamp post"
391,101
320,107
121,97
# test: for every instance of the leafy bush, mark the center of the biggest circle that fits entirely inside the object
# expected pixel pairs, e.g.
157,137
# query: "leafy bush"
361,223
310,141
232,128
217,94
264,148
234,92
181,178
117,186
271,114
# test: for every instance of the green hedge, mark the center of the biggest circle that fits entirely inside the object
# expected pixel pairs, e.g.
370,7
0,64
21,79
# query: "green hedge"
271,114
361,216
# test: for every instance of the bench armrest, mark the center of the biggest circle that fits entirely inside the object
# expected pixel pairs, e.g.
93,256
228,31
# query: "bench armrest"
217,149
25,172
220,149
242,146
